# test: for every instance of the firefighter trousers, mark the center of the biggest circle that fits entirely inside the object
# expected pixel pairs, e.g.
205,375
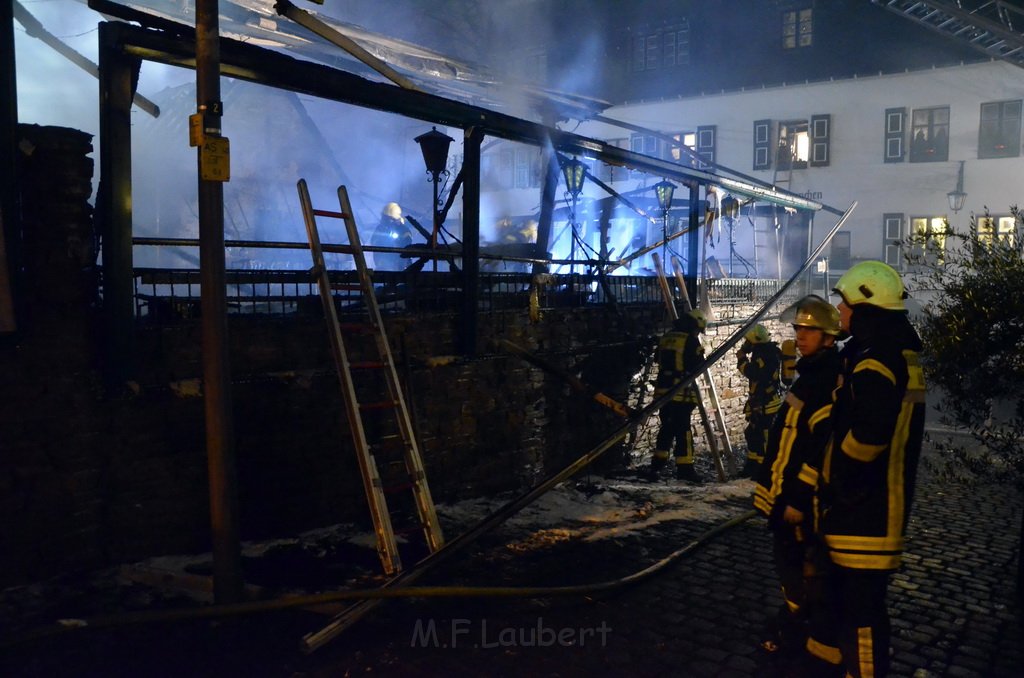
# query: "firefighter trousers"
675,432
756,433
852,621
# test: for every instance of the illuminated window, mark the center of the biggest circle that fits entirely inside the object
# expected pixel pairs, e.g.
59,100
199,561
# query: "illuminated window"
1003,228
794,145
999,131
929,134
928,239
797,29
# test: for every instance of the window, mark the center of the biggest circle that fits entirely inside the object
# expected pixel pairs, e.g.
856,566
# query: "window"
676,46
999,131
527,172
895,134
821,132
839,257
794,148
667,47
929,133
928,238
797,29
892,237
991,228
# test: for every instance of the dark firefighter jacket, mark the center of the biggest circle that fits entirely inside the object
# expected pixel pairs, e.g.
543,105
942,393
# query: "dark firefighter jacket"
867,479
797,439
762,367
679,352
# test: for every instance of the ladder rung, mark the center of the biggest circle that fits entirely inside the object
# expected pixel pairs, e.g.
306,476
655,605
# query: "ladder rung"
351,287
400,487
329,213
356,328
381,405
367,365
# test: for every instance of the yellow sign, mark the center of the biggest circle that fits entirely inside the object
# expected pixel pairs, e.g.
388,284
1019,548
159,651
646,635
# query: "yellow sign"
195,129
215,159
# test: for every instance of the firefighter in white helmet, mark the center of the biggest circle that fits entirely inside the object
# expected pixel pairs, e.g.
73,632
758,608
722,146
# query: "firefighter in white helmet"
787,478
679,353
391,231
760,361
866,485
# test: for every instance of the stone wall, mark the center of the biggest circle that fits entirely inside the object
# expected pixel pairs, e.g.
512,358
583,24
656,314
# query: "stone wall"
91,476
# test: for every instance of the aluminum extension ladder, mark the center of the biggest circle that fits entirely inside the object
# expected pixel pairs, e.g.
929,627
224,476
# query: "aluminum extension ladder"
714,429
415,478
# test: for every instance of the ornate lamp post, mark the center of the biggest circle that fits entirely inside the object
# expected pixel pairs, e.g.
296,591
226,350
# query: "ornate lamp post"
575,172
664,191
434,146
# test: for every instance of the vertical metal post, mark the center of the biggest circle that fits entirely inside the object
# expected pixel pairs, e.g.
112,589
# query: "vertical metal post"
10,222
114,204
695,238
470,240
547,206
220,453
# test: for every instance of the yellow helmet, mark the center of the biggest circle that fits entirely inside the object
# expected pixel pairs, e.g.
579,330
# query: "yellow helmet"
873,283
702,320
758,334
813,311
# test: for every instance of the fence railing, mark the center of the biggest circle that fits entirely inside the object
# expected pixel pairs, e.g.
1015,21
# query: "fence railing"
168,295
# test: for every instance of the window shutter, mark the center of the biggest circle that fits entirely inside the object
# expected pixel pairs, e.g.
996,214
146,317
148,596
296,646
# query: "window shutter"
895,134
892,238
706,135
821,133
762,144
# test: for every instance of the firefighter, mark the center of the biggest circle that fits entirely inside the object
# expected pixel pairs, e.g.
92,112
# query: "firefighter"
679,353
866,485
759,360
391,231
787,478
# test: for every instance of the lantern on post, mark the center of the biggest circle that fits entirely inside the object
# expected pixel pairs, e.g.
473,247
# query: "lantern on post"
664,190
575,172
434,146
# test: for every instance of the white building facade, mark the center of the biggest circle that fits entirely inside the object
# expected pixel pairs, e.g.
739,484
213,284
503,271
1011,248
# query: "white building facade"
892,143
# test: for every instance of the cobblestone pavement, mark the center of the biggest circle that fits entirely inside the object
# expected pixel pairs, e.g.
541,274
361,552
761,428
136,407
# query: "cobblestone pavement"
953,606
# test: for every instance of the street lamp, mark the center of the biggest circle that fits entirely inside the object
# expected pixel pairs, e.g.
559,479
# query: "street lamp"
664,190
957,196
575,172
730,210
434,146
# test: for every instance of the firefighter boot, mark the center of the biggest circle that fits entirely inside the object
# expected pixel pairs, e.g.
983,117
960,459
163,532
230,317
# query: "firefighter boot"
686,472
658,462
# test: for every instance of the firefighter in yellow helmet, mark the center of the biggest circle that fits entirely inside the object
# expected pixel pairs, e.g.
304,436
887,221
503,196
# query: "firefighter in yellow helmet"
679,353
787,478
760,361
866,485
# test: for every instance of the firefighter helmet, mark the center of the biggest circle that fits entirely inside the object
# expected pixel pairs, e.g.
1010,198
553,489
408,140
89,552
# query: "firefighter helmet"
873,283
702,320
758,334
813,311
393,211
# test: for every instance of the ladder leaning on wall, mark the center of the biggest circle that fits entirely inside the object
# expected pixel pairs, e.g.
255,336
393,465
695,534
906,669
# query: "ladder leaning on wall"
399,430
